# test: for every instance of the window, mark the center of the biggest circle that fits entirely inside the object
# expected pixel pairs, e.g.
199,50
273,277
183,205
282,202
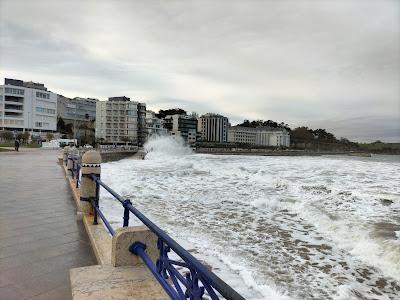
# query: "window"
45,110
14,91
43,95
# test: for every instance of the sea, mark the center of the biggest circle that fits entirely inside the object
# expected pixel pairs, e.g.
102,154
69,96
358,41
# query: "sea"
310,227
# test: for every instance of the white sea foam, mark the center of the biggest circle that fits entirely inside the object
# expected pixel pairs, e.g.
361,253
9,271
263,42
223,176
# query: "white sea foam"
165,146
273,227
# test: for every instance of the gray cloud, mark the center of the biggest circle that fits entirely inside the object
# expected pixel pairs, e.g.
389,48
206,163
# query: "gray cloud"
315,63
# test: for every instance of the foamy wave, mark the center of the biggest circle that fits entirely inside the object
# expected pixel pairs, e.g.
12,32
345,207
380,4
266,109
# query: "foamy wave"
306,228
159,147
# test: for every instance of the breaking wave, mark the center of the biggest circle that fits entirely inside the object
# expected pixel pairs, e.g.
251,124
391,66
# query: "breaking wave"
273,227
162,146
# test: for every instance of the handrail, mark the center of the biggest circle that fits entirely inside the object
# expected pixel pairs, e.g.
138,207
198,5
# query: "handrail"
76,168
164,266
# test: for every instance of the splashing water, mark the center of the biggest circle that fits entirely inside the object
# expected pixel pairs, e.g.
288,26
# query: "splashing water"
159,147
273,227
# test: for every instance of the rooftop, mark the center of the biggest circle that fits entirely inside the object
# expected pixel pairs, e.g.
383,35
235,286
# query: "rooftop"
27,84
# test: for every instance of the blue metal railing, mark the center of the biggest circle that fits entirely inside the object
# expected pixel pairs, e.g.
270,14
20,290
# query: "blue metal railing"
75,170
197,281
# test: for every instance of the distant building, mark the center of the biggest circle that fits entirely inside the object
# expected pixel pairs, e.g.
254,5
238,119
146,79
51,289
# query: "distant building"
154,125
142,130
76,109
259,136
182,125
120,120
80,112
213,128
27,106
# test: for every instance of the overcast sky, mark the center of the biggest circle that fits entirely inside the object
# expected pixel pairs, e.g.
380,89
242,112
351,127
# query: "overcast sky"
323,64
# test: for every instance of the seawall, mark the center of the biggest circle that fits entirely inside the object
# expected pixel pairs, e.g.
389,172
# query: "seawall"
263,152
114,156
119,274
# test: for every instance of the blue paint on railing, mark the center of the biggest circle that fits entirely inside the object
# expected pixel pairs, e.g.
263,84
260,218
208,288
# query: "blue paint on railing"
196,283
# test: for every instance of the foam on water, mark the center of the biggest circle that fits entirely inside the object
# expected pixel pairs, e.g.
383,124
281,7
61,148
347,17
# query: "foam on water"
161,147
273,227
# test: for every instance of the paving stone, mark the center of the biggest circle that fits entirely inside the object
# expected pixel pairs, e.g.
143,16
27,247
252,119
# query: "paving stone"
41,238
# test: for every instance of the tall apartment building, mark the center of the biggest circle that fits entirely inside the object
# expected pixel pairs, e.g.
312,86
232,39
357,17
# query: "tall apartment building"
154,125
182,125
213,128
142,130
27,106
259,136
120,120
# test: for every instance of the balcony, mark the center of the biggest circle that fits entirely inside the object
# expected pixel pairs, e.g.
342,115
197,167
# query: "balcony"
14,102
13,114
13,107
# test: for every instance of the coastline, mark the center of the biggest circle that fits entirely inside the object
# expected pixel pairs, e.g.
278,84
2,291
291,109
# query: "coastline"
257,152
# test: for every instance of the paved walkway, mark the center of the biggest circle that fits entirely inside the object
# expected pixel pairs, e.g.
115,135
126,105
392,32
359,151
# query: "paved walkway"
41,237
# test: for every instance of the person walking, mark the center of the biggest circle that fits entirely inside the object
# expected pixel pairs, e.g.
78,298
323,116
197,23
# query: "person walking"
16,144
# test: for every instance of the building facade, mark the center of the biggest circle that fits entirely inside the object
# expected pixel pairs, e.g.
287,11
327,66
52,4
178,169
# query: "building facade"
120,120
213,128
80,113
259,136
154,125
27,106
76,109
183,126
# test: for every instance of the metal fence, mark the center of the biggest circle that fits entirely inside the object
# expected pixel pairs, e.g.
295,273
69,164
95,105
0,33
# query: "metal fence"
196,282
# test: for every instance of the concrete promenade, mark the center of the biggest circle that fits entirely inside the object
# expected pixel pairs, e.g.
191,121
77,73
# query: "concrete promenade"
41,237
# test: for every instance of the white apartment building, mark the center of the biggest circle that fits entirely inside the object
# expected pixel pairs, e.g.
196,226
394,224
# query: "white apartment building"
154,125
259,136
27,106
213,128
118,121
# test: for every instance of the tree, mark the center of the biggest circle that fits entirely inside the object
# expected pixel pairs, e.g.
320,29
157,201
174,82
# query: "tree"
344,140
49,136
269,123
301,133
19,136
25,136
60,124
168,112
323,135
7,135
87,140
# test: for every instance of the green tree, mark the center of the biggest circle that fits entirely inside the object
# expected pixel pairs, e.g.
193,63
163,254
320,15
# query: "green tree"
6,135
25,136
60,124
168,112
301,134
49,136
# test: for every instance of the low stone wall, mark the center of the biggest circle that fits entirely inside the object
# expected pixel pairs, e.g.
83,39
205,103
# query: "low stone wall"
114,156
120,274
264,152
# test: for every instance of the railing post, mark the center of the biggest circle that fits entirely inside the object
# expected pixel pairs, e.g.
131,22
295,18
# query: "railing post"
124,237
126,213
73,167
72,154
96,203
91,164
78,171
65,154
